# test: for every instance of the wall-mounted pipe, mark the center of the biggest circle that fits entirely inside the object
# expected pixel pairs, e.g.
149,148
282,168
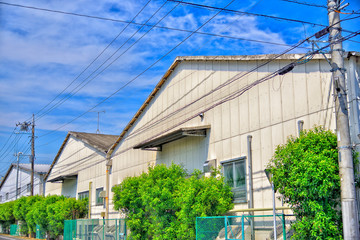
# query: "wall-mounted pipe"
90,203
251,194
108,168
300,124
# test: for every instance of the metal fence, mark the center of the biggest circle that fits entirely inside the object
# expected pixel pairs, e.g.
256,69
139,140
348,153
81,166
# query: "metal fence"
243,227
39,233
14,230
95,229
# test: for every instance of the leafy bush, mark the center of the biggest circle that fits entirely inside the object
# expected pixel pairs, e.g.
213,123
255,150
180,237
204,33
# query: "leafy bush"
63,209
47,212
6,215
22,207
163,203
40,213
306,172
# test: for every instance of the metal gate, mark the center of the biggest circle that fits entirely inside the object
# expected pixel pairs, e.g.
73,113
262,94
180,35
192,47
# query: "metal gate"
95,229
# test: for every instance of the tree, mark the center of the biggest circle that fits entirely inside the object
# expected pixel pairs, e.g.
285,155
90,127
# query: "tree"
47,212
6,215
22,207
163,203
306,172
61,210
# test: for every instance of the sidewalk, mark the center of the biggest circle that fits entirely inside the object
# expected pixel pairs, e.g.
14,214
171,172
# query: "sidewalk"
10,237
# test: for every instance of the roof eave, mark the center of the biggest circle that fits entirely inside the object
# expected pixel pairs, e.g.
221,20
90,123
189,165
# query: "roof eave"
143,106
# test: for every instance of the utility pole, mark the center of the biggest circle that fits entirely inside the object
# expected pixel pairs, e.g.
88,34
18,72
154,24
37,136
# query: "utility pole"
32,154
17,173
346,165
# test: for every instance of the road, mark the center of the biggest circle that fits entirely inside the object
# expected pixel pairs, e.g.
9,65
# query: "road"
8,237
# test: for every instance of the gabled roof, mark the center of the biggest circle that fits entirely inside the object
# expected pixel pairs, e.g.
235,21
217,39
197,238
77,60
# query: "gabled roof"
101,142
208,58
38,169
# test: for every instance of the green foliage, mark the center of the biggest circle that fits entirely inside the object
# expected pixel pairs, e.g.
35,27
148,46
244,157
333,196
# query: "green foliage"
64,209
306,172
163,203
22,207
40,213
48,212
6,215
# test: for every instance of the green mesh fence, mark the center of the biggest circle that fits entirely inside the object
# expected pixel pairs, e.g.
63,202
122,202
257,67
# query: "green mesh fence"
14,230
39,233
95,229
245,227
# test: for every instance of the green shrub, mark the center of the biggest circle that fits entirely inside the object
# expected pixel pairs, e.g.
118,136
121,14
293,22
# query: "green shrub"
63,209
6,215
163,203
22,207
306,172
47,212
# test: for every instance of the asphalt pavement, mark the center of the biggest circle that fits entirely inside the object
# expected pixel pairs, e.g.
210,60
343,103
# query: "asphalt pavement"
9,237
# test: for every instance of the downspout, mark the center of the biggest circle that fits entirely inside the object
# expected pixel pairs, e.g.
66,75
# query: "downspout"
90,194
251,194
108,168
42,177
300,126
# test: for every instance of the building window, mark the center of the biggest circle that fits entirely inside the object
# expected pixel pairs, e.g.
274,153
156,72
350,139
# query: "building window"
7,196
99,200
28,187
235,177
83,195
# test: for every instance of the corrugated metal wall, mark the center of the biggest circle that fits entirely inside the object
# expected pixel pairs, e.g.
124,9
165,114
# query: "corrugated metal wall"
269,112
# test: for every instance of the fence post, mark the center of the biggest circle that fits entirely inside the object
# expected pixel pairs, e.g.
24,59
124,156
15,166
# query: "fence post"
284,226
242,228
196,228
226,235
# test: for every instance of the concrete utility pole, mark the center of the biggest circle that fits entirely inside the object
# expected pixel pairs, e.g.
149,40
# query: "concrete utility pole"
17,174
346,165
32,155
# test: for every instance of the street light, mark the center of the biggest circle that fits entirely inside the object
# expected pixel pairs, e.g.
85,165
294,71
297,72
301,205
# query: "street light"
269,177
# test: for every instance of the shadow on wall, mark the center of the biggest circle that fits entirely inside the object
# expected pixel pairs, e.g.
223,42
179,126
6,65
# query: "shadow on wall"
189,152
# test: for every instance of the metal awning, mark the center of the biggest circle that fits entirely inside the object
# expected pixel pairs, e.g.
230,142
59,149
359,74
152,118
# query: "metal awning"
156,143
62,178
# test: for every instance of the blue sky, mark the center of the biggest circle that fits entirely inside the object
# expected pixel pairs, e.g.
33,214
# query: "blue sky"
42,53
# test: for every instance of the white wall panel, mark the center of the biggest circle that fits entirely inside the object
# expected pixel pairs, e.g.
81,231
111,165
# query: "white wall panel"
269,112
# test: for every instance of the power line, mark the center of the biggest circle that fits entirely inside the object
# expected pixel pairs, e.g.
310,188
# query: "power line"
232,96
97,57
305,3
251,14
153,64
186,3
148,25
87,80
149,125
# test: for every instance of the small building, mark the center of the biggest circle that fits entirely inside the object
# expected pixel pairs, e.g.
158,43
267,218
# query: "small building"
22,174
231,111
79,168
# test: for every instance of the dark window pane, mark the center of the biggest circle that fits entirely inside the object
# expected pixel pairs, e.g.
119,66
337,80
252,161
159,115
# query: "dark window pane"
229,174
240,174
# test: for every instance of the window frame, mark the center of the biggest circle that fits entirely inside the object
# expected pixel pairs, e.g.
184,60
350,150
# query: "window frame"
241,189
86,193
97,197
